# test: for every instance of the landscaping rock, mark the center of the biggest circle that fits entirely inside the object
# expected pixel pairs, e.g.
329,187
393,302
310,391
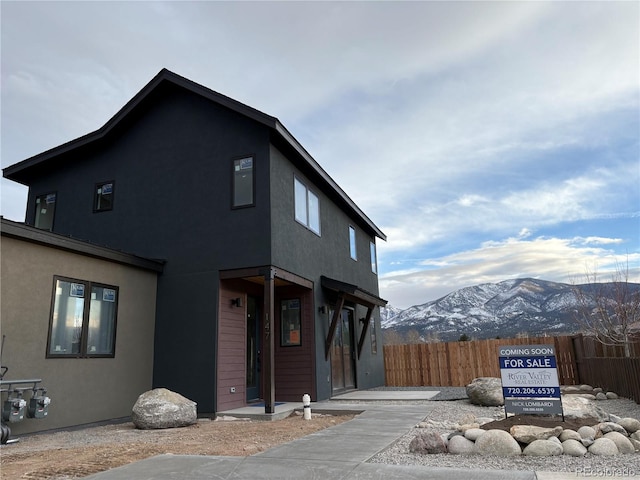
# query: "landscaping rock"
575,406
635,435
585,388
604,446
569,435
622,442
543,448
587,433
162,408
631,425
427,443
601,396
497,442
474,433
606,427
485,391
529,433
612,396
574,448
460,445
636,444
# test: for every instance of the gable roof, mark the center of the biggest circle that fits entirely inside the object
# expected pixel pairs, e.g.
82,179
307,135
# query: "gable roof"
20,172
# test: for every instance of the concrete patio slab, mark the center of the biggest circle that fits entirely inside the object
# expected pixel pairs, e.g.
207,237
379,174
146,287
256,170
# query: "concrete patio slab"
380,395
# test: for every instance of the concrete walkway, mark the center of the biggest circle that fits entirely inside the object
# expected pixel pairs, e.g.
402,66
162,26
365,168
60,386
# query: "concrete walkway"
339,453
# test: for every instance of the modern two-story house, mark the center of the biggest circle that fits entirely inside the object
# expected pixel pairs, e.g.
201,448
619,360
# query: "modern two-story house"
269,286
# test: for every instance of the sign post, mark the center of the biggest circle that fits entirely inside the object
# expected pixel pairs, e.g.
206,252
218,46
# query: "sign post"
530,380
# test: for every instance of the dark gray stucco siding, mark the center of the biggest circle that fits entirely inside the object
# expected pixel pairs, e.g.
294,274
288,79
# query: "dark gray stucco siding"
299,250
171,163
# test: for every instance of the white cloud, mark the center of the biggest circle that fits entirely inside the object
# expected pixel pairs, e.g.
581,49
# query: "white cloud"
554,259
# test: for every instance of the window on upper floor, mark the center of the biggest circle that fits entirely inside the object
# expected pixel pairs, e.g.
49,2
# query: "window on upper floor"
83,319
243,182
307,206
103,197
374,260
45,211
352,243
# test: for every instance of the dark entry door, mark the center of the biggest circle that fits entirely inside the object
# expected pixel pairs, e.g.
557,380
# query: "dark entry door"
342,354
253,349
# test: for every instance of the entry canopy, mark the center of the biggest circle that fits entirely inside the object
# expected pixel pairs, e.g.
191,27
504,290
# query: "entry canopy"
353,293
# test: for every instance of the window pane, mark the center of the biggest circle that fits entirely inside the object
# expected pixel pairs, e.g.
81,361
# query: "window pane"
290,322
300,194
243,182
102,321
352,243
45,209
374,262
104,197
314,213
68,313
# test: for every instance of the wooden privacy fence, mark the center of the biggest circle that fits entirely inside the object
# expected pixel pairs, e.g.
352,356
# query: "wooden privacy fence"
454,364
607,367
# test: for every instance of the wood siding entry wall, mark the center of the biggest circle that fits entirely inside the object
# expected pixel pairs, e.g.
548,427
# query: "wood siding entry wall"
232,344
294,369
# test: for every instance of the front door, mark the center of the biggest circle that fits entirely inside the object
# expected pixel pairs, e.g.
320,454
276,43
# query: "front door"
342,354
253,349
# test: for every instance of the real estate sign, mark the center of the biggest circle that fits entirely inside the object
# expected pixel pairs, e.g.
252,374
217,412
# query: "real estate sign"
530,379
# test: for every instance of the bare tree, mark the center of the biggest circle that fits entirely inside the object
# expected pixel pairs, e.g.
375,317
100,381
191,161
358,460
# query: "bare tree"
413,336
392,337
610,312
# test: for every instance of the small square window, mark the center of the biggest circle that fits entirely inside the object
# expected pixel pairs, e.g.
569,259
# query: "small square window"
243,182
45,211
103,198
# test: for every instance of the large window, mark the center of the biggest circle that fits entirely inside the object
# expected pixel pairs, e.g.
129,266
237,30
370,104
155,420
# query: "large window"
83,319
45,210
307,206
103,197
243,182
374,261
290,323
352,243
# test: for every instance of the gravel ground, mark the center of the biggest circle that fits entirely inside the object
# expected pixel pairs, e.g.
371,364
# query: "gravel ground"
445,414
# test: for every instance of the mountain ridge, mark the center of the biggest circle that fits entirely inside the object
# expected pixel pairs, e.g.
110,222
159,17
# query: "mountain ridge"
488,310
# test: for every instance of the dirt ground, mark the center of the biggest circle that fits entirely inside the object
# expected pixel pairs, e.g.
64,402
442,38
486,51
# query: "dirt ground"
75,454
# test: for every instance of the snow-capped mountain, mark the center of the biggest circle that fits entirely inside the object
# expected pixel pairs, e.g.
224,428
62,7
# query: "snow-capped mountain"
505,309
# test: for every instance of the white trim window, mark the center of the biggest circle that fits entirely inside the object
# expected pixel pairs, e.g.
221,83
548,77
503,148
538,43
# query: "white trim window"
307,206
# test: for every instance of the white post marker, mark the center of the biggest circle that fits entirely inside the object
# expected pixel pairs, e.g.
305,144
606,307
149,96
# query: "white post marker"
306,404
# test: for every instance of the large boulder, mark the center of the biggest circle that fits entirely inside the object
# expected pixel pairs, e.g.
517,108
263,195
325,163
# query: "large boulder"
460,445
162,408
578,407
485,391
497,442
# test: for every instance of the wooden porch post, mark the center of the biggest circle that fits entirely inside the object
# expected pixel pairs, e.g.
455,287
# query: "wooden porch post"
268,344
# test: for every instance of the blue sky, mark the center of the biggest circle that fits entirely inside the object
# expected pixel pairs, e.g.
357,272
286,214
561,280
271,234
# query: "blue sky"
488,140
